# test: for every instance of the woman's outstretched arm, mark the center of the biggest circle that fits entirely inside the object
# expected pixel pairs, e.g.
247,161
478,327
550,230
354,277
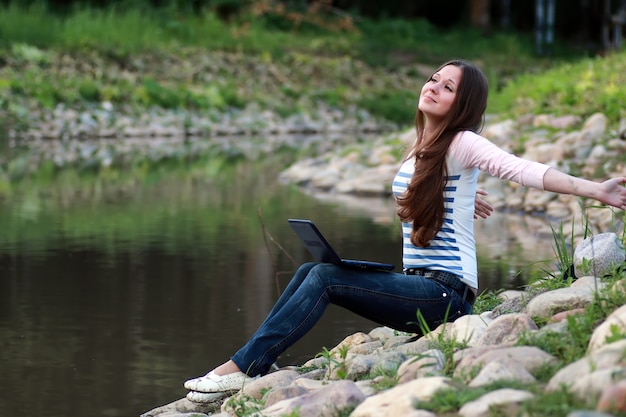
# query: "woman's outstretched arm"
611,192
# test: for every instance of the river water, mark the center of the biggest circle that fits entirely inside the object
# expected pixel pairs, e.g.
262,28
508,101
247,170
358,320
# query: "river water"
114,291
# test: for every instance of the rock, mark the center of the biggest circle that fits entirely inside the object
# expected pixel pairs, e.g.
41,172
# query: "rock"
569,142
544,153
595,126
598,254
542,120
621,130
565,122
182,406
388,362
318,362
310,384
396,341
278,379
506,401
589,387
325,402
547,304
513,303
577,375
613,326
430,363
537,200
366,348
530,358
468,329
283,393
506,329
502,133
563,315
350,342
557,209
401,399
354,367
500,370
382,333
613,399
416,347
587,413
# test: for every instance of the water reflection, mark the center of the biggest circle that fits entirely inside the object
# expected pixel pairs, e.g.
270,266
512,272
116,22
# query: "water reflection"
114,292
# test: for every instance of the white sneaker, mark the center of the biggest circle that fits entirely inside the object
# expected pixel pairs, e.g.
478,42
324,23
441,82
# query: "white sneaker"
204,397
216,383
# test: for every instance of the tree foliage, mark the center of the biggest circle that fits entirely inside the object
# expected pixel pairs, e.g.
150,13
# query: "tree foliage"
580,20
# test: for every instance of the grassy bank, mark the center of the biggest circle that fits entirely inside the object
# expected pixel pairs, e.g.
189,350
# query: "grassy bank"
123,31
138,58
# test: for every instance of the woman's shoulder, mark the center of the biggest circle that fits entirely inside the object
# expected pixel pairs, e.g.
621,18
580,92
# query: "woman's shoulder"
466,140
468,135
469,148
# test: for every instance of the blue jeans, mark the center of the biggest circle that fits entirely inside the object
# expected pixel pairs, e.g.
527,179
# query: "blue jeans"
388,298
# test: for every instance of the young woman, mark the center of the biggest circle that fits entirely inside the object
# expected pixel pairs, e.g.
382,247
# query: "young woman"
435,191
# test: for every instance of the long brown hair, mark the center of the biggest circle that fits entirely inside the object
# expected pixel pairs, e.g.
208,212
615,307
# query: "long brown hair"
423,202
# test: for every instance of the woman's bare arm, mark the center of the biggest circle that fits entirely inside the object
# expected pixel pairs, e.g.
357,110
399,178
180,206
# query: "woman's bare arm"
611,192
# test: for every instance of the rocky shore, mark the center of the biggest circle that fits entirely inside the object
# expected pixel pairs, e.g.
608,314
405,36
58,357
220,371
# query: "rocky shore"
105,121
587,148
510,360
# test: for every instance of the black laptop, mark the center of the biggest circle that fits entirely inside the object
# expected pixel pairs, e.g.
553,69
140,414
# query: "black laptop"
321,250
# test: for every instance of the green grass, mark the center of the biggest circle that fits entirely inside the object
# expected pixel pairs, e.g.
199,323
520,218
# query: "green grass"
581,88
387,42
567,347
164,53
139,58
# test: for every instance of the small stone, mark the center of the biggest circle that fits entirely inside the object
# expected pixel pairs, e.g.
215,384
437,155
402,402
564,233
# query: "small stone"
613,399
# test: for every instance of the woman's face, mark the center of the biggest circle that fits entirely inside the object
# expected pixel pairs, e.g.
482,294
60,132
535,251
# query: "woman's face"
439,92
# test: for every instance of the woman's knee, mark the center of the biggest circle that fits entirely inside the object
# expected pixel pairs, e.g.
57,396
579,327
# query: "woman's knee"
324,274
306,267
303,271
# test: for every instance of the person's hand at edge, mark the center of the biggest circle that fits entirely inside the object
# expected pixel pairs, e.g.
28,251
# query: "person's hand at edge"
482,208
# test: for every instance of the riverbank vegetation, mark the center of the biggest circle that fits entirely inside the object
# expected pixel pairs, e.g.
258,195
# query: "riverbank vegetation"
137,57
125,61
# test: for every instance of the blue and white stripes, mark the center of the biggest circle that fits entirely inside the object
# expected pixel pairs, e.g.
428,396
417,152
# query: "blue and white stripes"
444,252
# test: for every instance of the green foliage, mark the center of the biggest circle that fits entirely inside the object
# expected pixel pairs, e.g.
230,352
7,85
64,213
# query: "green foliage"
451,400
384,379
486,301
325,57
126,32
564,258
581,88
397,106
327,355
244,405
446,345
558,403
29,25
563,250
153,93
294,413
571,345
89,91
335,364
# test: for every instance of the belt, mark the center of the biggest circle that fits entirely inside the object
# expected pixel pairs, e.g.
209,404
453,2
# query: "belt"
446,278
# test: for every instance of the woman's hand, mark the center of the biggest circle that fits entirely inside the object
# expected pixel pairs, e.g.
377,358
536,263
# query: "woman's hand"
481,208
614,192
611,192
